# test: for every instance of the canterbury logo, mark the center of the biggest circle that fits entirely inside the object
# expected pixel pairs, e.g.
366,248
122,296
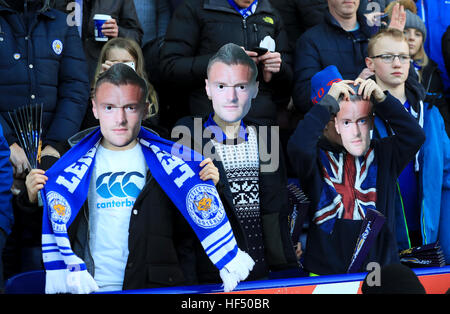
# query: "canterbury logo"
118,184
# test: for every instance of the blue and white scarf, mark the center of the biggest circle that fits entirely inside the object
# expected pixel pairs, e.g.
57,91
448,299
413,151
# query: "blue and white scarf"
67,188
245,12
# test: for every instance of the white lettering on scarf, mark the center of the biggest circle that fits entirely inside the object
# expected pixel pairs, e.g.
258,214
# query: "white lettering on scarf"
170,162
79,169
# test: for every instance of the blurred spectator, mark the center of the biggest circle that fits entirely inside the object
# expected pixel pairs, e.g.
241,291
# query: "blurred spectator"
340,40
46,66
6,210
426,69
199,28
124,23
41,61
423,188
300,15
394,279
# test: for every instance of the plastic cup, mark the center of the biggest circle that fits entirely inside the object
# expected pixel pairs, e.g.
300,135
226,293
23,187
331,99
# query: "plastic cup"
99,20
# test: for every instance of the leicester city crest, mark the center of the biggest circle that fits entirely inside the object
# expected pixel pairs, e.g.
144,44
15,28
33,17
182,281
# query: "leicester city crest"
204,207
59,211
57,46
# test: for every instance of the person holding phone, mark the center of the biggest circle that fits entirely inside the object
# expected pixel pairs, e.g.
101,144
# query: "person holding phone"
197,30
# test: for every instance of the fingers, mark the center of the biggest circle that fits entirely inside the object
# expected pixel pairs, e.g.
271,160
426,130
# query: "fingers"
272,61
209,171
35,182
110,28
251,54
107,65
341,88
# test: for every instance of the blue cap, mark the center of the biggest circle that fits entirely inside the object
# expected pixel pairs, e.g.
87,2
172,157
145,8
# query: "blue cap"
321,82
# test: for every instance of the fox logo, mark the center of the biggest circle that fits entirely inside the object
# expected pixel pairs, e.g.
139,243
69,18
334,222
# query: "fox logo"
204,204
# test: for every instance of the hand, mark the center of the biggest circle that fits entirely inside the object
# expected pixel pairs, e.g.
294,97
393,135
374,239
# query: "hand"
50,151
19,161
373,18
110,28
365,74
398,17
272,64
368,88
209,171
341,88
252,55
298,250
35,182
106,65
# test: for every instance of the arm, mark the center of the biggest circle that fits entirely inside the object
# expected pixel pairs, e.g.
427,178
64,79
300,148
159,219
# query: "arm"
277,66
408,137
302,146
179,63
129,26
73,91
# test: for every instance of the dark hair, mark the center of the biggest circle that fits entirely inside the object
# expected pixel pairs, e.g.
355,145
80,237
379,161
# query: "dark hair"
122,74
232,54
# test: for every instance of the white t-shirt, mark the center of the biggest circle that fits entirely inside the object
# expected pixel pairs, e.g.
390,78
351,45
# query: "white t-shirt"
117,179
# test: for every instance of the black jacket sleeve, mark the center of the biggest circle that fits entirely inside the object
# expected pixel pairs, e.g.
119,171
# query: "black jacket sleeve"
302,146
178,60
408,135
129,26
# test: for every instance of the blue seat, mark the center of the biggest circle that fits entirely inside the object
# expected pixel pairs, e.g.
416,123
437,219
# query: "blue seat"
32,282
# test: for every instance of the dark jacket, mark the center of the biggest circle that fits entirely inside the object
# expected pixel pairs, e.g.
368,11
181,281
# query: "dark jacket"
328,44
198,29
434,88
123,11
299,16
42,61
331,253
274,208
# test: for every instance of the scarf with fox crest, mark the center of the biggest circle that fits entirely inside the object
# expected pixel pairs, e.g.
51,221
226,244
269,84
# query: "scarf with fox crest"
67,188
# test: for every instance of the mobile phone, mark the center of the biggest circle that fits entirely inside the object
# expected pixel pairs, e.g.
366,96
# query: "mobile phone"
131,64
259,50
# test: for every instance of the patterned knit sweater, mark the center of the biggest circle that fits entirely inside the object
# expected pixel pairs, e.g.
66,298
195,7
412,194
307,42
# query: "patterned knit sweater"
241,163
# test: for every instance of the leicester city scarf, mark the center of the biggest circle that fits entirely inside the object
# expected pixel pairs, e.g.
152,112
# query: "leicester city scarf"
67,188
245,12
348,189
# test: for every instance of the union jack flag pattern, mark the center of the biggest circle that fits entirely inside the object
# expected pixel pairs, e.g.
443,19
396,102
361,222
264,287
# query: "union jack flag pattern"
349,187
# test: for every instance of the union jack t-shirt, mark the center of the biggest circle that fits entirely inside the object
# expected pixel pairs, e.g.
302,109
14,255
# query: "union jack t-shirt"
349,187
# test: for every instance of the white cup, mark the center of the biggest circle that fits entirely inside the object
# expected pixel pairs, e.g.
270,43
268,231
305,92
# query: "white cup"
99,20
